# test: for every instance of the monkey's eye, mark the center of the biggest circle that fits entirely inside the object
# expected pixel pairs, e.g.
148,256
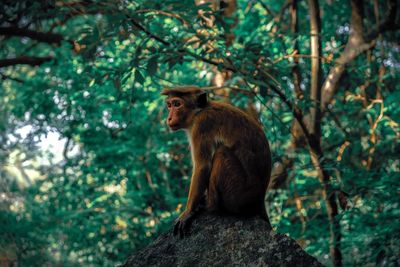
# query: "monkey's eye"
176,104
169,105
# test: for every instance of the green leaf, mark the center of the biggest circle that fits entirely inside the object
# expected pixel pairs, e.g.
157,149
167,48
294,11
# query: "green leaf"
152,66
139,77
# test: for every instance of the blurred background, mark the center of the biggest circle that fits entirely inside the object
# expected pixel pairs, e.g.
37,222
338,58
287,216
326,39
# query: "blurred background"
89,172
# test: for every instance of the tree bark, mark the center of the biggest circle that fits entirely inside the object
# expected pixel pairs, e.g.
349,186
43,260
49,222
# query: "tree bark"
316,74
279,172
32,61
316,152
46,37
356,45
294,26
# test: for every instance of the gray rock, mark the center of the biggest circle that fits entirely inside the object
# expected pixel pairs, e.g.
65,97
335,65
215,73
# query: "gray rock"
224,241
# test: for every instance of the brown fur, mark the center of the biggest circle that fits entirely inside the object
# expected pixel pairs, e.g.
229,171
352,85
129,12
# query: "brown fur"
230,154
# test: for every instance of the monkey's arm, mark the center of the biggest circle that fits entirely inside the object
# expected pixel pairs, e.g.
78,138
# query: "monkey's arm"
202,156
198,186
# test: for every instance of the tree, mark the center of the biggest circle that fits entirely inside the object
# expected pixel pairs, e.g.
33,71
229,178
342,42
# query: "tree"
321,76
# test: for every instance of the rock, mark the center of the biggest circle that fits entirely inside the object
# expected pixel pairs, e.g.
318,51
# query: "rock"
223,241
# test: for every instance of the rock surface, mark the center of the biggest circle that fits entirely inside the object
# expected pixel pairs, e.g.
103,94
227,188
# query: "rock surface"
223,241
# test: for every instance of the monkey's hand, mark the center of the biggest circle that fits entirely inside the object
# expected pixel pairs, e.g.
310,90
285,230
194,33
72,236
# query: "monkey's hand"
182,224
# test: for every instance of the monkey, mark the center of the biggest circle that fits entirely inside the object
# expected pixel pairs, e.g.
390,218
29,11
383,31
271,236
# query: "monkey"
230,154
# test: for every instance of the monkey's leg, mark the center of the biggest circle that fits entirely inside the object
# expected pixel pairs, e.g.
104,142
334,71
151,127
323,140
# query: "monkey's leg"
229,189
213,198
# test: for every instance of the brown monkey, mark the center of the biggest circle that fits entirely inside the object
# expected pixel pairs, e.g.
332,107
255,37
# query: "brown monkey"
230,154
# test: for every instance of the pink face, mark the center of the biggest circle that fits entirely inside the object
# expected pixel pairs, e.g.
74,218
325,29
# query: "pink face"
176,115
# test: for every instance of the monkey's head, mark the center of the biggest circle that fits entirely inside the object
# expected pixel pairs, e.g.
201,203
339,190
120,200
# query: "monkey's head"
183,102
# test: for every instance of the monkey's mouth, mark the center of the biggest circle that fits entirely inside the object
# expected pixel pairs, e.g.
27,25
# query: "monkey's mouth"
174,127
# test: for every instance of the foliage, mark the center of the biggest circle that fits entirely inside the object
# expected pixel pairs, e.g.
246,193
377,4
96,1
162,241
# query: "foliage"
115,177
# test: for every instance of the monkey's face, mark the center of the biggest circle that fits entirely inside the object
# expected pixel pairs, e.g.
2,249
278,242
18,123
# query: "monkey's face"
178,113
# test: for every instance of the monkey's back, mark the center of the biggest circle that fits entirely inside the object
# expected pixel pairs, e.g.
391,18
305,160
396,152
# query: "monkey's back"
241,133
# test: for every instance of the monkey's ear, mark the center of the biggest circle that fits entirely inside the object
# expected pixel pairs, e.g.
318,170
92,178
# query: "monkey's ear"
202,100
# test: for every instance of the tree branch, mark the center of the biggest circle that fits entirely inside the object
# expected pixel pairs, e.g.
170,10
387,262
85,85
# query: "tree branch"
316,72
148,33
7,77
386,25
355,46
279,173
181,50
294,25
315,149
276,15
26,60
46,37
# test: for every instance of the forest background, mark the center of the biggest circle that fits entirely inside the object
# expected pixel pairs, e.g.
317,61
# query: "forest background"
89,172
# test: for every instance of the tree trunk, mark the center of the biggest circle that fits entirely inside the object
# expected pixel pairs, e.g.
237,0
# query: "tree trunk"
316,75
315,133
279,172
